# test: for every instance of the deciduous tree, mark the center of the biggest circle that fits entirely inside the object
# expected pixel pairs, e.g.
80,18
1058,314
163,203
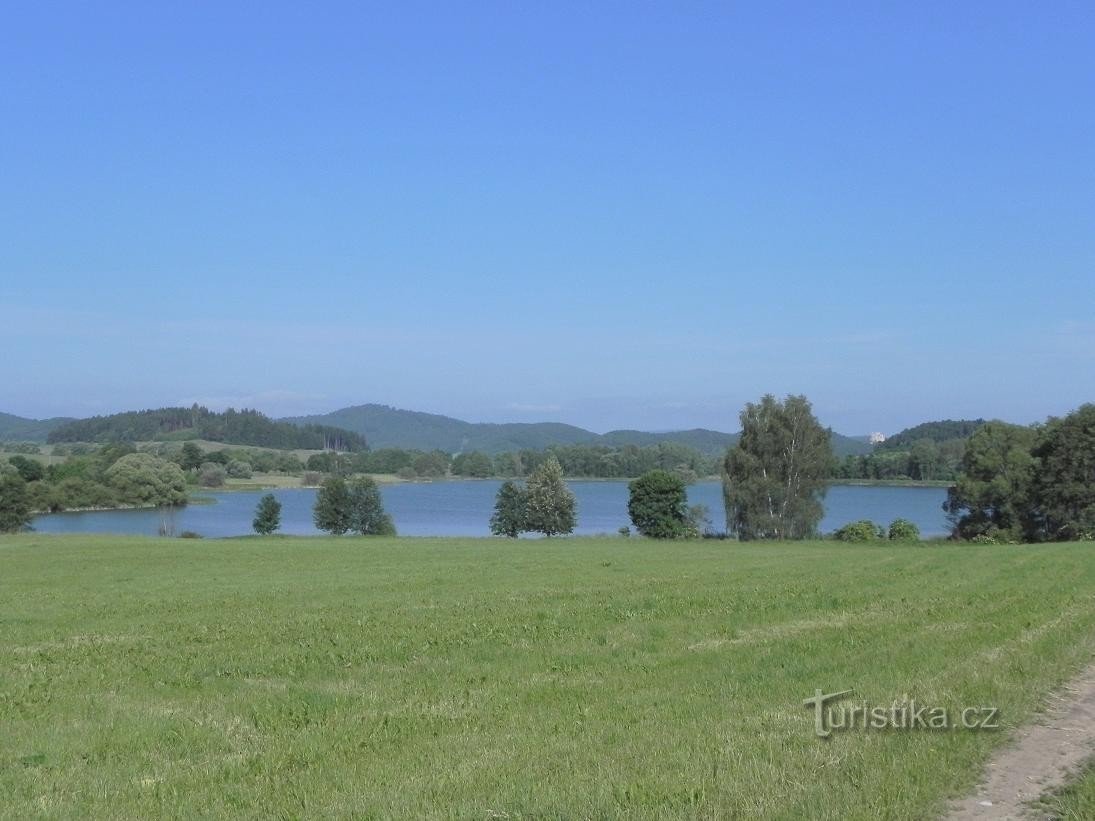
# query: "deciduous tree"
14,502
992,497
332,511
1063,487
144,479
658,505
367,514
774,478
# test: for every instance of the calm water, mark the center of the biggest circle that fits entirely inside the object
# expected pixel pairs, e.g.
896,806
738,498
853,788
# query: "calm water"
464,509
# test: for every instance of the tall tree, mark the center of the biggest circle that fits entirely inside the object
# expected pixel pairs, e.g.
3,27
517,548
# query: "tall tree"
267,515
658,505
367,515
550,506
332,510
774,478
992,496
509,511
1064,479
14,502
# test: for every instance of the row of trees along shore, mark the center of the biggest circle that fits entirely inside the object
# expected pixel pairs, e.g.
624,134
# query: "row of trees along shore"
1013,483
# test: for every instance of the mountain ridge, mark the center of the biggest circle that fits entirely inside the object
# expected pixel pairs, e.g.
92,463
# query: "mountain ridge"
384,426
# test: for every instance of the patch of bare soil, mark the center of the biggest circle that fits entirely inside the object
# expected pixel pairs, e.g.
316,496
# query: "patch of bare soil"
1041,757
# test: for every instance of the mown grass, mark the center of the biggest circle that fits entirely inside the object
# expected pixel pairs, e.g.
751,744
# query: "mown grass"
576,678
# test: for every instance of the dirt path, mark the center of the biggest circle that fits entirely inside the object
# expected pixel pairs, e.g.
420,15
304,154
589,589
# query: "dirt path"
1040,757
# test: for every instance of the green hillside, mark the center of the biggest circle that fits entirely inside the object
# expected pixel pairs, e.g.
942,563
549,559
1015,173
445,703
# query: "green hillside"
242,427
18,429
387,427
946,430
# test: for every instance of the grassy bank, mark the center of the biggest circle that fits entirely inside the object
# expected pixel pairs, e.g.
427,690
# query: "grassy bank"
479,678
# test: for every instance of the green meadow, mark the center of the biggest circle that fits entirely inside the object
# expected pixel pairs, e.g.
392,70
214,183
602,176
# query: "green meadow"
570,678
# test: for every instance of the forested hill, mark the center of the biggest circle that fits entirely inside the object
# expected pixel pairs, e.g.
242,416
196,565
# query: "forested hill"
387,427
18,429
947,430
242,427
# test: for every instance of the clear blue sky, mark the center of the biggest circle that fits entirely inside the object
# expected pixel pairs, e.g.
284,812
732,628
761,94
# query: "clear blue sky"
616,215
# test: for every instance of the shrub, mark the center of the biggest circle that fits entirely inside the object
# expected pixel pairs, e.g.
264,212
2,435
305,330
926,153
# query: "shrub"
861,531
212,475
238,469
902,530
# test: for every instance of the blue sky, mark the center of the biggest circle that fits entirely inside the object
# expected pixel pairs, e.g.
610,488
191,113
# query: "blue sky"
616,215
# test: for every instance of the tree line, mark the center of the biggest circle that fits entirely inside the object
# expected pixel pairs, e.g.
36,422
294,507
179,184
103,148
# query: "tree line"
576,461
239,427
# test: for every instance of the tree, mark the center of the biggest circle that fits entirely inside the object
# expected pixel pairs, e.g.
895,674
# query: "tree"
144,479
332,509
367,515
191,456
774,478
475,464
435,463
509,511
1063,487
14,503
992,497
238,469
30,469
267,515
658,505
550,506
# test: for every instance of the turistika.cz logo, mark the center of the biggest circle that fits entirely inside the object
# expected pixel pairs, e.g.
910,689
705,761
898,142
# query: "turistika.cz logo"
905,715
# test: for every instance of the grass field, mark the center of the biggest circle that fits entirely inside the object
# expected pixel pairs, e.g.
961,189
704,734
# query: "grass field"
1076,802
574,678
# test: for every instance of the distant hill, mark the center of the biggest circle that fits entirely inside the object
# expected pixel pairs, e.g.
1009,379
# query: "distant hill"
242,427
18,429
947,430
387,427
708,442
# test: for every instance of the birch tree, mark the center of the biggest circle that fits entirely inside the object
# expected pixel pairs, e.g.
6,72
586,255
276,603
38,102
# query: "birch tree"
774,478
